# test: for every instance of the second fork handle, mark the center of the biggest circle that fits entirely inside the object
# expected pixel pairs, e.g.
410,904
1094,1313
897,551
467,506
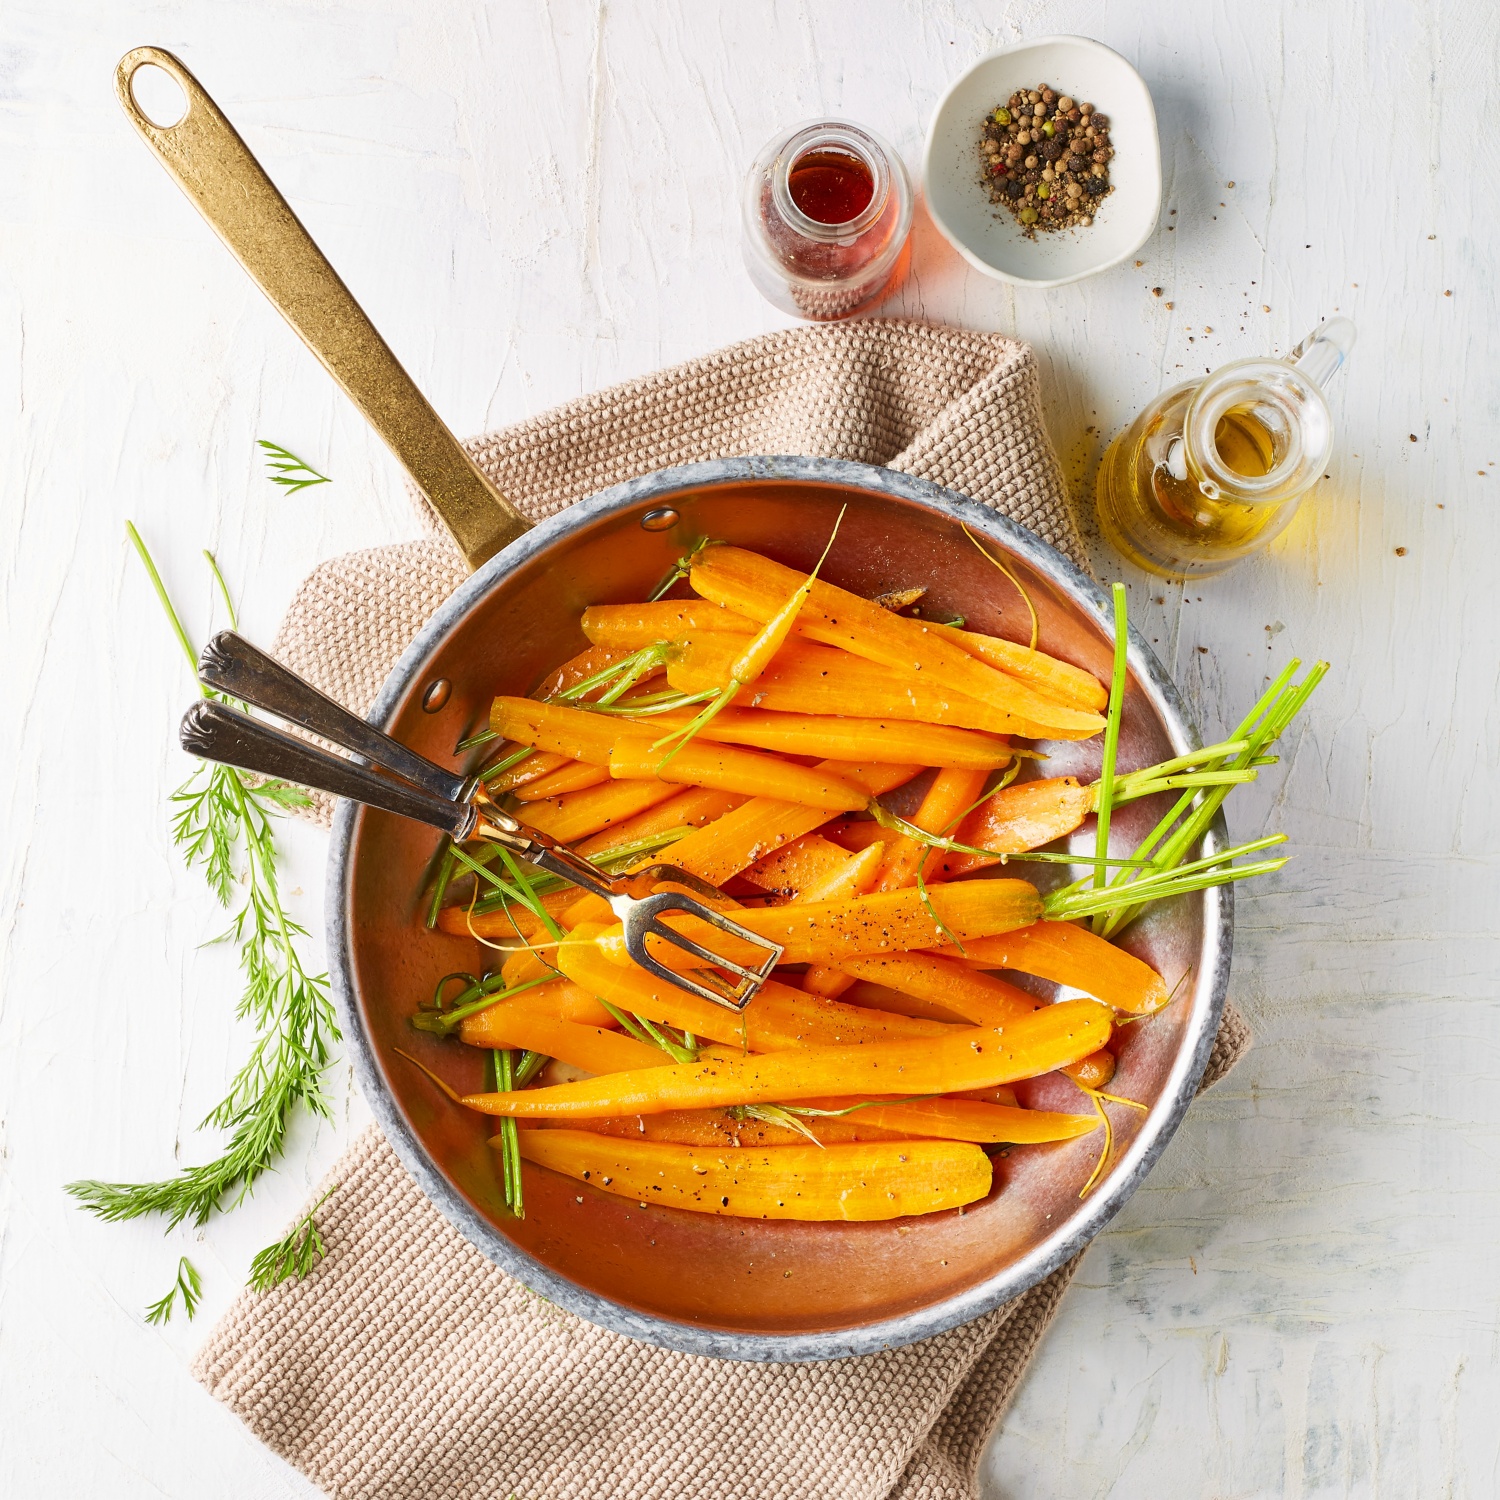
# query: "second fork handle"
228,186
231,665
214,731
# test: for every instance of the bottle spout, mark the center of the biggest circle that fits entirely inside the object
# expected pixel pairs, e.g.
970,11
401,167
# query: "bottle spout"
1322,353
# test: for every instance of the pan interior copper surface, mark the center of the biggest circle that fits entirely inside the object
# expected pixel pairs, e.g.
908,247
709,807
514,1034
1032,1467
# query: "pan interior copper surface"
750,1288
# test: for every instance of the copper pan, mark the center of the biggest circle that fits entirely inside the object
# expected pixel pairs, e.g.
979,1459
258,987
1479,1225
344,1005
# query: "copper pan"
727,1287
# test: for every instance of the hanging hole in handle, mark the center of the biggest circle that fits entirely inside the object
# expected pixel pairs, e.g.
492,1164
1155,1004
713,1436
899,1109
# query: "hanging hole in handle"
158,96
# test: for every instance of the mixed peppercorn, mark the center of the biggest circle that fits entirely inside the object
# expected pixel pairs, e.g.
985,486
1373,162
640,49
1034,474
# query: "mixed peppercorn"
1046,158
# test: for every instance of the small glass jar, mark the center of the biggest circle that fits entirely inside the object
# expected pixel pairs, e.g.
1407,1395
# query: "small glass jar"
827,221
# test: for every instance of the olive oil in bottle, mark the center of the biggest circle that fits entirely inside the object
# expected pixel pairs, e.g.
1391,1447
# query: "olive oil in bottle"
1213,470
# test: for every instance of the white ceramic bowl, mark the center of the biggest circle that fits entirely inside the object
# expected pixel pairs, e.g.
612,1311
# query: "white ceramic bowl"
985,233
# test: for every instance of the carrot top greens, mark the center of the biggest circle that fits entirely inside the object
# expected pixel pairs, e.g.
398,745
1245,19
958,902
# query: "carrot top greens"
224,821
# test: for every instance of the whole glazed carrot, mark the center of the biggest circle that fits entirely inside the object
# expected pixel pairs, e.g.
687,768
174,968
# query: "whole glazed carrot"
969,1058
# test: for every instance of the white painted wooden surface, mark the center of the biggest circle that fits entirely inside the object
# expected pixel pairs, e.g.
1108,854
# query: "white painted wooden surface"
534,200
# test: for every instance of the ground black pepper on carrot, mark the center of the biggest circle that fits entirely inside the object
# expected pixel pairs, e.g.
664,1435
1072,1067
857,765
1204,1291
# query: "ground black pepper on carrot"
1045,157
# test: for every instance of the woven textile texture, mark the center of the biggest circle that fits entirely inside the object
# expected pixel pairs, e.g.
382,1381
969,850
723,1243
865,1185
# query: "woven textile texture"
407,1367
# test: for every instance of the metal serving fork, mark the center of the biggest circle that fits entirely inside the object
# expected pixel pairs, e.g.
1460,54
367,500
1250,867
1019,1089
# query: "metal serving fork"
444,799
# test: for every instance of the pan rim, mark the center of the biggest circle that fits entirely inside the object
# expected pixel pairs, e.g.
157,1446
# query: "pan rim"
1074,1233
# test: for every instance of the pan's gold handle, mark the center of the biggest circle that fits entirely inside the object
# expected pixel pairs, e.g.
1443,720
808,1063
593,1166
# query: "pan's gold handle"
215,168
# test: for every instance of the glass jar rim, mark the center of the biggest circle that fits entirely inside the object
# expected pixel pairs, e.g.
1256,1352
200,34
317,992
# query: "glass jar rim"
830,135
1269,382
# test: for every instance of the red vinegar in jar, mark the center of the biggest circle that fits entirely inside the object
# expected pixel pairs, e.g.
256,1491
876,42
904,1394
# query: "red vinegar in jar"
827,220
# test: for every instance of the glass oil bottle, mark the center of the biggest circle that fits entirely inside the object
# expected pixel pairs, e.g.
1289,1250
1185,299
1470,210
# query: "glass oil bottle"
1212,470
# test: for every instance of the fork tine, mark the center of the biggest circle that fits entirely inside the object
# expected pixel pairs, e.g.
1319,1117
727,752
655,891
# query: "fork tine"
741,995
689,945
645,919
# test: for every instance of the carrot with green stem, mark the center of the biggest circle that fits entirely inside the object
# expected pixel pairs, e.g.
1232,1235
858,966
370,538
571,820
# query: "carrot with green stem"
749,583
847,737
756,657
1170,840
728,768
967,1058
808,678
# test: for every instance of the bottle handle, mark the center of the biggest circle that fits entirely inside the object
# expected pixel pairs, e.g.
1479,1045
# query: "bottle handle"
1321,355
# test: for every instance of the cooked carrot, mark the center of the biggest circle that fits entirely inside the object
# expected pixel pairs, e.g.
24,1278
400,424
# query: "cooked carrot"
855,834
870,996
762,824
507,922
883,921
941,1119
969,1120
574,732
789,869
854,1182
857,878
860,875
1068,954
571,776
579,814
728,1127
1022,817
1001,1094
631,626
536,765
1093,1071
754,655
525,964
576,669
592,1048
1058,680
628,627
844,738
811,679
952,793
967,1058
725,1127
562,1000
694,808
727,768
755,586
779,1017
980,999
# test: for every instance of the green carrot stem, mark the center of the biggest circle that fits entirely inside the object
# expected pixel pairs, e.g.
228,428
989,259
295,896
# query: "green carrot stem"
1112,898
1283,707
510,1143
1105,789
441,884
1133,791
479,997
532,1063
515,758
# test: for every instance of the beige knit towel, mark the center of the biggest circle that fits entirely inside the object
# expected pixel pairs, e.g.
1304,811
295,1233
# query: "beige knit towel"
407,1367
